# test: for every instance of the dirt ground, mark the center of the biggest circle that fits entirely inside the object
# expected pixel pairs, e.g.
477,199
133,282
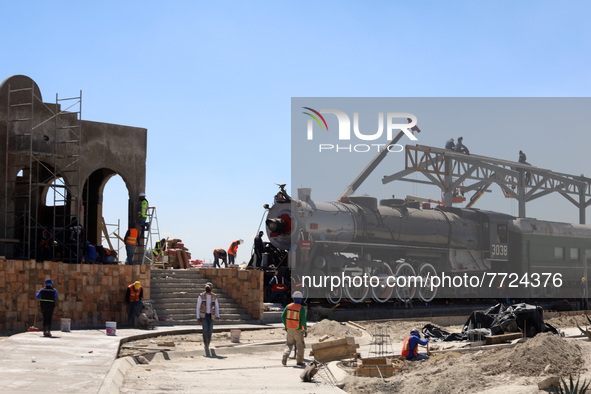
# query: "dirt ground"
509,370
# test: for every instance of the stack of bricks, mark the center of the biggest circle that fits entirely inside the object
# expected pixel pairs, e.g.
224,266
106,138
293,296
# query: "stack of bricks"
88,294
244,286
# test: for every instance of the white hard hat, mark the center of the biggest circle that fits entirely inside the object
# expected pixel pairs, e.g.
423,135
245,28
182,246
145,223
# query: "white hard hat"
142,195
297,294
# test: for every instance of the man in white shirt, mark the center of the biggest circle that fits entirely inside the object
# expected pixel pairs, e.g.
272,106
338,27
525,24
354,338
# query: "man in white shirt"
206,301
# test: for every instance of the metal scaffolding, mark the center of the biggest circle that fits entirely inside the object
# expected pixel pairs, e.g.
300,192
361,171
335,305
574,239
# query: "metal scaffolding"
43,146
449,171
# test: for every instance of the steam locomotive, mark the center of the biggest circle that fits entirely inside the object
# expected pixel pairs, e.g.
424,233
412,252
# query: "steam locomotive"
358,236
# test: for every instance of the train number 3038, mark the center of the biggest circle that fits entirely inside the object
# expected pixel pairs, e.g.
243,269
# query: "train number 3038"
499,250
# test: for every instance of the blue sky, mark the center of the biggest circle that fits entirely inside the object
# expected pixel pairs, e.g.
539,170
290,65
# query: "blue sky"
212,81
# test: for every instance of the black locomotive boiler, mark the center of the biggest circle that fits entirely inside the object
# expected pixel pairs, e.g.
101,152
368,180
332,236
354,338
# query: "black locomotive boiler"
360,237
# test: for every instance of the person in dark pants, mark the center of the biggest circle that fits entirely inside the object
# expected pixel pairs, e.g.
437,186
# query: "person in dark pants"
259,248
207,308
47,300
218,254
133,297
278,289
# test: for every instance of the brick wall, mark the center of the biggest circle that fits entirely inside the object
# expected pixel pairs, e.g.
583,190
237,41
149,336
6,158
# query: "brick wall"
245,287
88,294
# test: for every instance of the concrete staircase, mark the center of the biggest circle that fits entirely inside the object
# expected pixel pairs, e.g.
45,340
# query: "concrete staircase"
175,294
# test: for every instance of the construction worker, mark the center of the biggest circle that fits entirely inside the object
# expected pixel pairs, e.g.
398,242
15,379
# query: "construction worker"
450,144
133,295
259,248
159,249
523,160
219,253
47,301
278,288
205,302
131,237
305,244
142,214
410,347
233,251
460,147
294,320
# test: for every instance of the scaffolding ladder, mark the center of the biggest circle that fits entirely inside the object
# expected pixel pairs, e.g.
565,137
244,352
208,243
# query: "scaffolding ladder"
153,230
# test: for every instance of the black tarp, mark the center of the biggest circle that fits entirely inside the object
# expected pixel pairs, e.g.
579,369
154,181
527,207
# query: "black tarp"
496,320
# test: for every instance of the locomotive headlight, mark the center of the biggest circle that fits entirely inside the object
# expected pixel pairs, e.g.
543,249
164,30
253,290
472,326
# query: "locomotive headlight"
276,225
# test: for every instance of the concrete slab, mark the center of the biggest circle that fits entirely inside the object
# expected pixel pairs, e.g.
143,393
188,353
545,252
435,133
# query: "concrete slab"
75,361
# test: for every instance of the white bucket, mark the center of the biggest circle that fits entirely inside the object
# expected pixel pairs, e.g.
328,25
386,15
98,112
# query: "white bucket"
111,328
235,336
65,324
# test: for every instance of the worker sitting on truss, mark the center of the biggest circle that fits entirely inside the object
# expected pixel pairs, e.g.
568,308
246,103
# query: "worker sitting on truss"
460,147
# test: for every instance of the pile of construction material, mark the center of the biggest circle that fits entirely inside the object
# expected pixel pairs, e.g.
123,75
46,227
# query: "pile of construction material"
178,255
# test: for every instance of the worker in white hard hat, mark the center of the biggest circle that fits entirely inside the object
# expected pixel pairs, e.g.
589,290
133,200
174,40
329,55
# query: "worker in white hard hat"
207,309
450,144
294,320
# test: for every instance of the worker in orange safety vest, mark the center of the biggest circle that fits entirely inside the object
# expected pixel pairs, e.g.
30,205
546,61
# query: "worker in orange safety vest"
294,320
410,347
233,251
130,241
133,296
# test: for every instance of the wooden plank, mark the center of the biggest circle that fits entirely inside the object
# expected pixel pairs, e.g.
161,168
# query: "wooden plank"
495,339
334,353
359,326
337,342
117,235
382,361
106,233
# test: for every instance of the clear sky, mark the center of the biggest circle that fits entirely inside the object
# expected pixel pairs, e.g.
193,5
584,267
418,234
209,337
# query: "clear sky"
212,82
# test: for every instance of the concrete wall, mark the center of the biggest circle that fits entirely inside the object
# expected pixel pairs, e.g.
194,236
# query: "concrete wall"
245,287
88,294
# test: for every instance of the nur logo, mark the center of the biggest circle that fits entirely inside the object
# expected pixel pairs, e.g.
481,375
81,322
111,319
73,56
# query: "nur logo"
345,124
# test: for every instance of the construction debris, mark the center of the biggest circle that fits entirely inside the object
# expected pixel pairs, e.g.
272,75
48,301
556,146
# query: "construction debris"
339,349
176,254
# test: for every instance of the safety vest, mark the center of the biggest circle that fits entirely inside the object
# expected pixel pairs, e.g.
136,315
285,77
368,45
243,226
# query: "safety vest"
406,348
292,318
134,295
132,237
233,248
47,296
156,249
203,308
219,252
305,240
144,209
278,286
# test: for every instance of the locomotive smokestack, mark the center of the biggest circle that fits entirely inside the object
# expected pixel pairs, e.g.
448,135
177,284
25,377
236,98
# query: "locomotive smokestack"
305,194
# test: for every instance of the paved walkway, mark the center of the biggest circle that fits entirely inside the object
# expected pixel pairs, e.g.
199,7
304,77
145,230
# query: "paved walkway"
85,361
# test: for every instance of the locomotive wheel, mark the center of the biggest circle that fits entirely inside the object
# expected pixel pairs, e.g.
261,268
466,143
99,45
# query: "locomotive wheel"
335,296
382,293
355,294
406,293
427,272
